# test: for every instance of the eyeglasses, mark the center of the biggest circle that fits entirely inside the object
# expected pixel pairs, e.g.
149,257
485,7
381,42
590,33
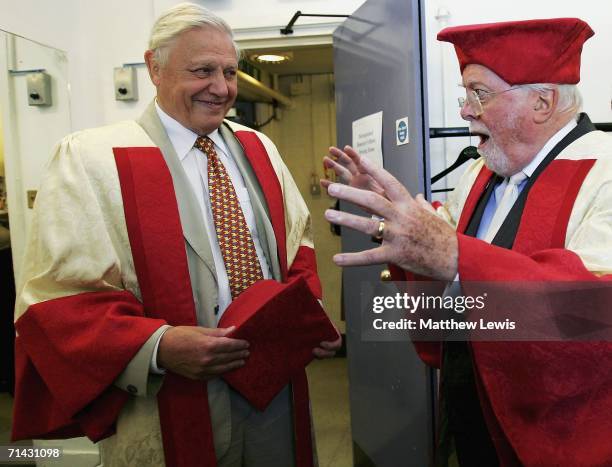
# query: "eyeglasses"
477,97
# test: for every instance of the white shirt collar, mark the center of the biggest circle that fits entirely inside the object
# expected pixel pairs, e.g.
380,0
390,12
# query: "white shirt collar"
551,143
182,138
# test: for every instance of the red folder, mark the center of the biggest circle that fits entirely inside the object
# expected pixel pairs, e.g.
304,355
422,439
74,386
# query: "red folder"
282,323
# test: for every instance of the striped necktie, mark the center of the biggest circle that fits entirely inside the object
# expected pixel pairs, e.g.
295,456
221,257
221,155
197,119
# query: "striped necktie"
235,241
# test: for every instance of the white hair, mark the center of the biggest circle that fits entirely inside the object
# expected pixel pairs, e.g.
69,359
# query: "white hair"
570,99
179,19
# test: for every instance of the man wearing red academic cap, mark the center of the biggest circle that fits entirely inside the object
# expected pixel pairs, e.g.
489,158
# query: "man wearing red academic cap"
536,207
167,305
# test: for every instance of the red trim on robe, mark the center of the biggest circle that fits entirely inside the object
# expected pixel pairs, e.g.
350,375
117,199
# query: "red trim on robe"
257,155
483,178
544,403
304,265
64,377
158,248
555,199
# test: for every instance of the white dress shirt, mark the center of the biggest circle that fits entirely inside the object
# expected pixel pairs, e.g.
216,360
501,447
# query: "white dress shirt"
195,164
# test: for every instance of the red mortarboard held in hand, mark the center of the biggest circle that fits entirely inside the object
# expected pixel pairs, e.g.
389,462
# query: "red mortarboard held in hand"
523,52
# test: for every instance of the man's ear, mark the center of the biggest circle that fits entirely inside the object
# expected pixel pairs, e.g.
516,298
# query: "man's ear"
153,67
546,104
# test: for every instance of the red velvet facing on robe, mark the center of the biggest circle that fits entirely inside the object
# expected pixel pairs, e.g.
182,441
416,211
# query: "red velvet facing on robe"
65,376
545,403
158,249
304,265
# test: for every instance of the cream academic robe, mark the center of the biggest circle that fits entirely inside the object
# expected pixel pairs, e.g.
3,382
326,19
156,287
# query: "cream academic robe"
79,243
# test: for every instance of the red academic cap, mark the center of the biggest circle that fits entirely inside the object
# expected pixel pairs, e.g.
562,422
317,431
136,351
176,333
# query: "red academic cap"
523,52
282,323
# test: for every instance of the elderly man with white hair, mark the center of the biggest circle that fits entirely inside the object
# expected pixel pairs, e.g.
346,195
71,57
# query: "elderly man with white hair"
168,303
537,207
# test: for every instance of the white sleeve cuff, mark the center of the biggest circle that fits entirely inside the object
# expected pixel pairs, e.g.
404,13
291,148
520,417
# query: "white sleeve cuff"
153,368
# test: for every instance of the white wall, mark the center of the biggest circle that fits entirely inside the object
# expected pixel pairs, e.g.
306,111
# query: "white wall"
100,36
47,22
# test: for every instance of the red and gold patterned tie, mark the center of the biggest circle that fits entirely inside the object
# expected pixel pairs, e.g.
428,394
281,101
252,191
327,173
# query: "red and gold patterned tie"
235,241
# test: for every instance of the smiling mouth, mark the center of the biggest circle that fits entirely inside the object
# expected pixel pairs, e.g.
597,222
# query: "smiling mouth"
211,104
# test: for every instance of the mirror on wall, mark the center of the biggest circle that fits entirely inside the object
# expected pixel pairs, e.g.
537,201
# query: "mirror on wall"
34,115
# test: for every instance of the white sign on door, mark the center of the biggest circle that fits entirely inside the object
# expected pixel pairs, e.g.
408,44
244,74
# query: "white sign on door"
367,137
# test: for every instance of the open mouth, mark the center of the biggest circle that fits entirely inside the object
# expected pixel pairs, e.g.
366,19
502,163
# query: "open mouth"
483,137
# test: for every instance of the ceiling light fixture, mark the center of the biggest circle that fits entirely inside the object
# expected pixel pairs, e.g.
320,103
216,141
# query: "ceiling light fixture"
272,58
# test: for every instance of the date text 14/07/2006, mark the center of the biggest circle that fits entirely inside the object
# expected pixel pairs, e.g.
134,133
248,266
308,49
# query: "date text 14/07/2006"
441,325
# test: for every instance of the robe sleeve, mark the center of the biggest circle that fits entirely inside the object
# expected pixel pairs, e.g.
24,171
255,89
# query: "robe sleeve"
78,319
300,246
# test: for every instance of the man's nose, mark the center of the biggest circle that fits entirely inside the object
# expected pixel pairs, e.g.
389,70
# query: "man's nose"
467,112
218,85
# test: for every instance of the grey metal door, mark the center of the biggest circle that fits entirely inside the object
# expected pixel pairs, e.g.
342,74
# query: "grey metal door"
379,62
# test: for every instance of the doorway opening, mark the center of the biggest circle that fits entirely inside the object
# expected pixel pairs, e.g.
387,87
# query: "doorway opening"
303,131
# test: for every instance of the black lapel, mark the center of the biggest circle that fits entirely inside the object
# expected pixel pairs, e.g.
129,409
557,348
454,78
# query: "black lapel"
472,228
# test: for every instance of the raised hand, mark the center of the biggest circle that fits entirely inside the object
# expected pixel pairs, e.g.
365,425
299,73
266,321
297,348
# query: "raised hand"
347,166
413,237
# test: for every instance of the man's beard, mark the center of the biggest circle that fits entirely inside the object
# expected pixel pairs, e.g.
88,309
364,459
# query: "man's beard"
495,157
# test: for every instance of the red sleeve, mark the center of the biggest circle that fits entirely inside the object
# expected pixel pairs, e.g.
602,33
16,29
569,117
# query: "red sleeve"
495,264
69,352
305,265
549,401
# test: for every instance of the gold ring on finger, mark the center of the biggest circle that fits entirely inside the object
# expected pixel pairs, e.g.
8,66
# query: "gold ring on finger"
381,230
